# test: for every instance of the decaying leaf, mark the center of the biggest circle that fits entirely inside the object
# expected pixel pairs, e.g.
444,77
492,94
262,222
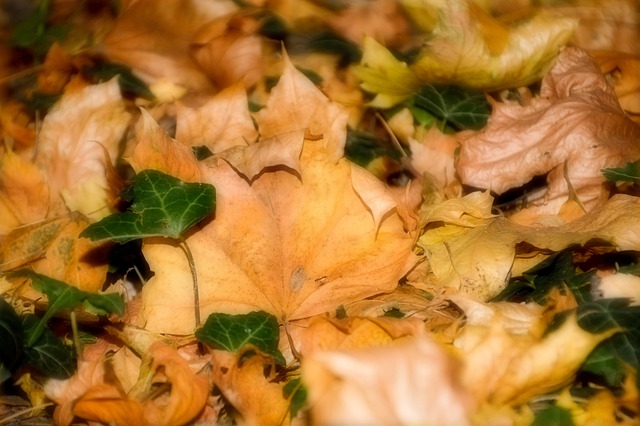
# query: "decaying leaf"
576,123
71,149
466,47
414,382
474,252
92,395
247,380
156,41
501,367
53,248
24,194
293,241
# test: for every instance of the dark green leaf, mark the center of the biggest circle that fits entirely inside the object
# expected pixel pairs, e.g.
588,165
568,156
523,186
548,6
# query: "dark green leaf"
48,354
553,416
297,394
624,347
394,313
464,109
234,332
555,271
201,152
629,173
603,362
11,337
129,83
362,148
163,206
62,296
35,34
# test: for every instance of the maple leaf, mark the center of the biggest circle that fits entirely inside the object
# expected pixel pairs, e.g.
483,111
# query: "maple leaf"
576,123
221,123
293,240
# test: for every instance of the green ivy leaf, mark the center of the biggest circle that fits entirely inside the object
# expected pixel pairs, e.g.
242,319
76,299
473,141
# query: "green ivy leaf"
164,206
296,392
62,296
11,336
629,173
129,83
553,416
362,148
48,354
234,332
463,108
608,359
34,32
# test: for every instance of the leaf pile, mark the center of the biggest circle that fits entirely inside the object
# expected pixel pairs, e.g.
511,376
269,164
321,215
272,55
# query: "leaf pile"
314,212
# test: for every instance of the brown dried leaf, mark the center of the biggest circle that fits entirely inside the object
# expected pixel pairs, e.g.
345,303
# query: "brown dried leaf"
72,143
246,381
155,42
414,382
577,120
221,123
24,194
292,244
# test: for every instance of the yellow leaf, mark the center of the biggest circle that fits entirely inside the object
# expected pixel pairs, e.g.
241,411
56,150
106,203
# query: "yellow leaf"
475,254
469,48
294,244
381,73
54,248
505,368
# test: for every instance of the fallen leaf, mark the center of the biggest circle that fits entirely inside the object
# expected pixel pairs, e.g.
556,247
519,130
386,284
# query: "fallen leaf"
155,42
474,252
577,120
221,123
53,248
505,368
293,244
414,382
72,157
466,47
230,50
189,391
24,194
247,381
622,72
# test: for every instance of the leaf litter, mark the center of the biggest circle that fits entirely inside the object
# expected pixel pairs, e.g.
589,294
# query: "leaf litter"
345,237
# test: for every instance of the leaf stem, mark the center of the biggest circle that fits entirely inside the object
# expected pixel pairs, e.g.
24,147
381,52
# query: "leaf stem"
194,275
